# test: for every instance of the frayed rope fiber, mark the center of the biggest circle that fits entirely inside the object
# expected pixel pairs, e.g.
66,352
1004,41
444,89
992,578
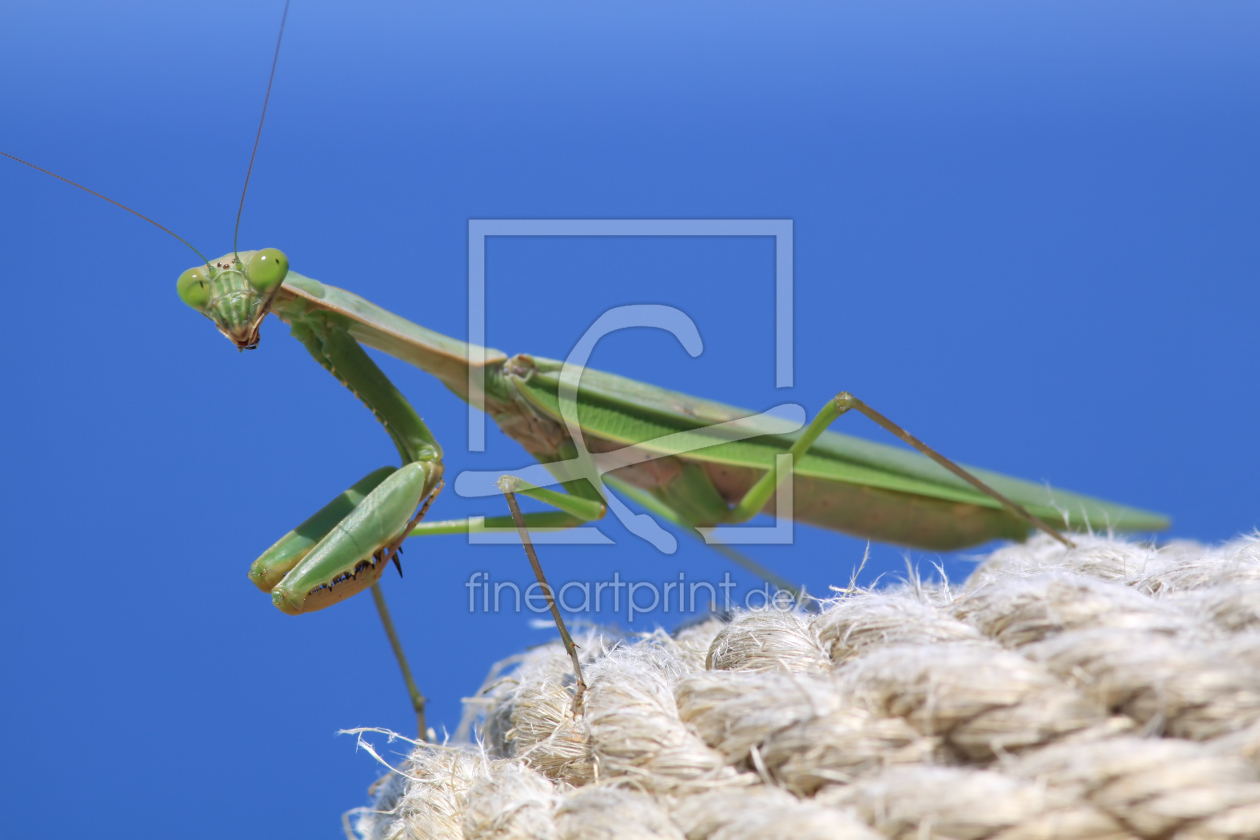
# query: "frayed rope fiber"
1108,692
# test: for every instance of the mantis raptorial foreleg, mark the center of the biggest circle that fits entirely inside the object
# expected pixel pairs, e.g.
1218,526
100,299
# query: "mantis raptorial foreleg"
344,547
394,549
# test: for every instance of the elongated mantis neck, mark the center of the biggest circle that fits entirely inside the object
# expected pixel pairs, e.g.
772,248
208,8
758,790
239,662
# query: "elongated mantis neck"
448,359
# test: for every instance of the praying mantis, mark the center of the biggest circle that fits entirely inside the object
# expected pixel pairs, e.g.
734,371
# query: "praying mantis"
721,478
724,477
839,482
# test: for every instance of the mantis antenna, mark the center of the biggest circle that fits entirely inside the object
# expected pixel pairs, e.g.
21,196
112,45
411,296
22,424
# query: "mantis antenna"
111,201
275,60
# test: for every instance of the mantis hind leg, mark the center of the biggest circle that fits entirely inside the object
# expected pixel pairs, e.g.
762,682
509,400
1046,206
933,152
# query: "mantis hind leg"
759,494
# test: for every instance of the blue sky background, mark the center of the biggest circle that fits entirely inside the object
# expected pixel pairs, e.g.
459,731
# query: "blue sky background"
1026,231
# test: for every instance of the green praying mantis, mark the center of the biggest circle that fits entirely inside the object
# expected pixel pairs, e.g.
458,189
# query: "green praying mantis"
698,464
723,474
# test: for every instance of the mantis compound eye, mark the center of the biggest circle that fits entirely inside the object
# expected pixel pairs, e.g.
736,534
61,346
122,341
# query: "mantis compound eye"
193,287
267,269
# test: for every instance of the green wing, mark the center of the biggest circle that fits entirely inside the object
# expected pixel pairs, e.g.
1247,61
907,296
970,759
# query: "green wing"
624,411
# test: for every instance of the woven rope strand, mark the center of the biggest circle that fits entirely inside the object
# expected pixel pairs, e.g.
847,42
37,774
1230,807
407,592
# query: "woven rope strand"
1105,692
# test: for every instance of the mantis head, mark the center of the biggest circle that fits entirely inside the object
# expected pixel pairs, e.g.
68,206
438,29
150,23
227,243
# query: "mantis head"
235,291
